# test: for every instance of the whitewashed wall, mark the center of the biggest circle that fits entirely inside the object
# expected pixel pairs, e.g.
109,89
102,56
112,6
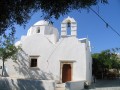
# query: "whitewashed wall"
77,85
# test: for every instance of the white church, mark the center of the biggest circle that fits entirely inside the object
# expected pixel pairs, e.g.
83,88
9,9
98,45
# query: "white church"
48,55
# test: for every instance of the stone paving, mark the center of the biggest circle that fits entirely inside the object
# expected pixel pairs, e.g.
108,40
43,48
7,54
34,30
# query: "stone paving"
112,84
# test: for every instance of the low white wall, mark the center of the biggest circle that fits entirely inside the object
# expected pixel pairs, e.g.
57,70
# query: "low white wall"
76,85
24,84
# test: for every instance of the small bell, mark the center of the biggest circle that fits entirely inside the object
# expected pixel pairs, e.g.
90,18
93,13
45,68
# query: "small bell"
68,24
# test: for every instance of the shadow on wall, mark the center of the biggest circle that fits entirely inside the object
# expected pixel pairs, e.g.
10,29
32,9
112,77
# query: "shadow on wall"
19,84
23,69
6,73
30,85
4,84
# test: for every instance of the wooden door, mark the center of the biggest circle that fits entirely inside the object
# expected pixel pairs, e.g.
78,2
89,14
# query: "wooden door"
66,73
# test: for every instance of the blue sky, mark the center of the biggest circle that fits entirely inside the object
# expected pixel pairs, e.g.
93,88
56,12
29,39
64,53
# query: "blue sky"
89,25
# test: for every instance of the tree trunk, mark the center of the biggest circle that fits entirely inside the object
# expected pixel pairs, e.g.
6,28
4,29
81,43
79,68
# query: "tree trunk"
3,68
102,73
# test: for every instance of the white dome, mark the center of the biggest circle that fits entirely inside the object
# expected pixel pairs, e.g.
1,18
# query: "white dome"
41,27
42,22
33,29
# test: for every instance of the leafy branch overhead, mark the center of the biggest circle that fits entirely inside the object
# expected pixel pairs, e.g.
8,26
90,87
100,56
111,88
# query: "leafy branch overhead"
20,11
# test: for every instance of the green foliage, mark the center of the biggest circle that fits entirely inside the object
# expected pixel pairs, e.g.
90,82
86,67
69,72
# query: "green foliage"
105,60
7,47
20,11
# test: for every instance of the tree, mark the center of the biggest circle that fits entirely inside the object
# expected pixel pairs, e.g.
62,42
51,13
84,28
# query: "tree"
20,11
107,59
7,48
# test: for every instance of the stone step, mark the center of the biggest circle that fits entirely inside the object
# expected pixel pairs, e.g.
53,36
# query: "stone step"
62,85
60,89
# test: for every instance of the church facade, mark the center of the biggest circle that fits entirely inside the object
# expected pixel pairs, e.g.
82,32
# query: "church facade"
47,56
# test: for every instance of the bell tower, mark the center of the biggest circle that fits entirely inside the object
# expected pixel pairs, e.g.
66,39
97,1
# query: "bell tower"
68,23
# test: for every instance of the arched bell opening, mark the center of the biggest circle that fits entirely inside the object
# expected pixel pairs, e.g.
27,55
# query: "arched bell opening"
68,27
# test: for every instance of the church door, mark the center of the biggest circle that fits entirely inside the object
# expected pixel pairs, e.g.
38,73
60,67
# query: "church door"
66,73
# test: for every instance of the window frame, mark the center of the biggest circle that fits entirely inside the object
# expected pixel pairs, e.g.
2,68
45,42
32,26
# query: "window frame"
30,61
38,29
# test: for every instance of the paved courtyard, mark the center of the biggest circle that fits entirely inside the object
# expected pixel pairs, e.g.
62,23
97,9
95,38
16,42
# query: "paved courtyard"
111,84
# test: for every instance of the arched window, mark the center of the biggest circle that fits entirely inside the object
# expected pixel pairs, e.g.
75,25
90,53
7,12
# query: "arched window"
38,30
